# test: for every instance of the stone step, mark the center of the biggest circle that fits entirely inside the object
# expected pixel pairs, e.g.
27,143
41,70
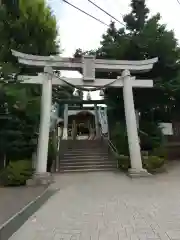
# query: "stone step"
97,164
88,167
88,170
83,148
85,151
87,162
84,159
87,144
83,141
84,156
76,156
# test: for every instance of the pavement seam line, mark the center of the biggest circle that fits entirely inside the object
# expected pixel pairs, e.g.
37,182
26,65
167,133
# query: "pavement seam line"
22,209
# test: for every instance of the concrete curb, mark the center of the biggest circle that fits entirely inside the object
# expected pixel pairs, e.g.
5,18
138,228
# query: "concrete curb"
8,228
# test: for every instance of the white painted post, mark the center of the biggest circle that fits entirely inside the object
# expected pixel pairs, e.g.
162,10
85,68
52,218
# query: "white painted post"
137,118
105,110
65,130
46,103
133,140
59,134
96,121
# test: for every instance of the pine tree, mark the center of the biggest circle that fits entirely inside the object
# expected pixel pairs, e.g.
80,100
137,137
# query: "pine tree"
145,37
138,16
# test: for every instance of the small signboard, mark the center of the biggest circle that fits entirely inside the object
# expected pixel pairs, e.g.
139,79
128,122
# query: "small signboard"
166,128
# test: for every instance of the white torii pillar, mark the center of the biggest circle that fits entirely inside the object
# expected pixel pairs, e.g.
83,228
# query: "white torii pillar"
41,175
132,128
65,129
96,121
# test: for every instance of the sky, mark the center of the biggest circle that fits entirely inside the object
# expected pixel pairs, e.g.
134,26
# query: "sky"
77,30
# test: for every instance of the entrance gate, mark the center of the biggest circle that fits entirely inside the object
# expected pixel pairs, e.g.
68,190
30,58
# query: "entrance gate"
89,65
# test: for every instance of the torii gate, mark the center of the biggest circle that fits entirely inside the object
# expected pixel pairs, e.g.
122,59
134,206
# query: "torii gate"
89,66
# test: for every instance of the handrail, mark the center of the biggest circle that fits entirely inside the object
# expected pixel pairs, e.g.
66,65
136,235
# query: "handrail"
110,144
113,146
142,132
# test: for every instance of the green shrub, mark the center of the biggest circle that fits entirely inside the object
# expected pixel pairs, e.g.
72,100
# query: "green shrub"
153,152
16,173
124,162
159,152
151,136
150,163
120,139
153,162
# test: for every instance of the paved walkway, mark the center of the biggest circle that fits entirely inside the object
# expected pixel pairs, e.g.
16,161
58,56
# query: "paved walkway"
108,206
13,199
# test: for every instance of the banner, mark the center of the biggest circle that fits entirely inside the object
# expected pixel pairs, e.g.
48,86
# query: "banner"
102,113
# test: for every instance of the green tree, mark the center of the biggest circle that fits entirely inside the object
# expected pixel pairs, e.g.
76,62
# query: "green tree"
144,37
137,18
29,27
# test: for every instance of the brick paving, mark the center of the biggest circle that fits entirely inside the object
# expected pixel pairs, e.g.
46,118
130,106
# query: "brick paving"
13,199
108,206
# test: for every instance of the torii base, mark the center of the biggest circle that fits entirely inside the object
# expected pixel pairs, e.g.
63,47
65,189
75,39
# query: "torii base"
135,173
40,179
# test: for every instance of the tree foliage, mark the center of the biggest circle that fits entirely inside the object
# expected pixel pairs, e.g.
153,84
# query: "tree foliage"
138,16
29,27
144,37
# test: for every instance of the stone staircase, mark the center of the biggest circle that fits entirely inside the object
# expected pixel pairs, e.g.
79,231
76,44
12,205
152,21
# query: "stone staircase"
85,155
